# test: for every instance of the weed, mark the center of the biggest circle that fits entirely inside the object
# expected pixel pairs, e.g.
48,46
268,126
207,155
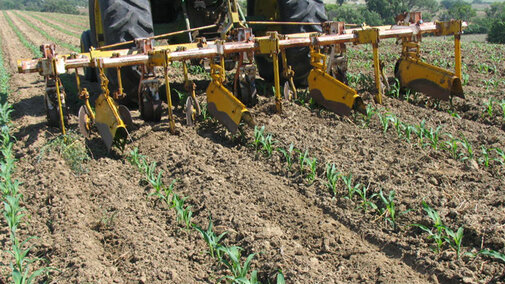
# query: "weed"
453,114
288,155
213,241
332,177
70,148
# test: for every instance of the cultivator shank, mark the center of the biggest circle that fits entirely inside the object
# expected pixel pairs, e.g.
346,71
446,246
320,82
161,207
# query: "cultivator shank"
327,80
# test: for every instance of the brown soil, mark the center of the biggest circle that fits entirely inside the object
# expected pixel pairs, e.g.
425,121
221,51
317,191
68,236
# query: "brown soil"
101,226
62,23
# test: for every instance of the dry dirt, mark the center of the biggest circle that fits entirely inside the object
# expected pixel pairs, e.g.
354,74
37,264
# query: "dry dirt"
101,226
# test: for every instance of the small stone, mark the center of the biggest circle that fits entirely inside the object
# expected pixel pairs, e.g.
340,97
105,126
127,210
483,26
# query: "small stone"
433,181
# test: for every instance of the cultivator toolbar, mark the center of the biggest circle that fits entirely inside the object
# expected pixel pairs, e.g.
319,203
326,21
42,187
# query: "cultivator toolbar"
326,81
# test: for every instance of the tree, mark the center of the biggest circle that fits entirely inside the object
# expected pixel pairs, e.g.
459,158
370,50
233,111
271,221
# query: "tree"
497,30
340,2
389,9
458,9
353,15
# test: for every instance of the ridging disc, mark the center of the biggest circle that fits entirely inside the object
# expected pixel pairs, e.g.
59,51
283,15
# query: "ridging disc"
126,116
288,93
84,126
190,112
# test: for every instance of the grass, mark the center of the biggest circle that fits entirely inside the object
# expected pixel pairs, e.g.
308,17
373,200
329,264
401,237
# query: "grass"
48,36
34,49
58,28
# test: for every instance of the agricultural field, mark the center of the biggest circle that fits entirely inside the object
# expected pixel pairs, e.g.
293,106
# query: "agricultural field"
411,192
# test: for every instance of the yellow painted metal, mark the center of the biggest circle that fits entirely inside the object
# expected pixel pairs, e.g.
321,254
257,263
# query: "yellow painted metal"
452,27
457,54
372,36
58,95
376,69
328,91
270,45
221,103
169,95
120,83
431,80
98,24
107,119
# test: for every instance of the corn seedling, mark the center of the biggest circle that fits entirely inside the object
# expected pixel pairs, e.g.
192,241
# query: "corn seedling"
489,107
420,130
384,120
367,118
184,214
204,112
365,203
485,156
452,145
407,131
468,147
394,89
303,158
239,271
258,138
455,239
502,106
436,232
313,169
433,135
492,253
397,124
288,155
351,189
267,145
501,156
454,114
332,177
389,210
213,241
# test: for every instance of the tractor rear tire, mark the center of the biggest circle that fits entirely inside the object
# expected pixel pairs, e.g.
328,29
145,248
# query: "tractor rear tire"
125,20
89,73
298,58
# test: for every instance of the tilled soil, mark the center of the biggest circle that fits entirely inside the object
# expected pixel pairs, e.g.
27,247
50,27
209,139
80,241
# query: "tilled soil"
102,226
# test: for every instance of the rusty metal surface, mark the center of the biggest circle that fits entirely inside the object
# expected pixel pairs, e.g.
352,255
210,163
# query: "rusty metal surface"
83,122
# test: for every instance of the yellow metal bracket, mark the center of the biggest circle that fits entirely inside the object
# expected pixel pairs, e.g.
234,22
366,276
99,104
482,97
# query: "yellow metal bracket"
58,95
270,45
371,36
166,61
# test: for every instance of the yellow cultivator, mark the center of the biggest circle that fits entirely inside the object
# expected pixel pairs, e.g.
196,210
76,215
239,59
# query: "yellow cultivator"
326,81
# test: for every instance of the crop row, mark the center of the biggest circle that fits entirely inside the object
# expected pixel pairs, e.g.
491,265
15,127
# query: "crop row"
66,19
13,210
376,202
47,36
228,256
58,28
34,49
